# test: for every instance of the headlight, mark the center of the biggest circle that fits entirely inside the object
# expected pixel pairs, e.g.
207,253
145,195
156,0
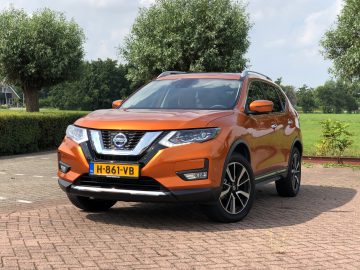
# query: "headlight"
77,134
181,137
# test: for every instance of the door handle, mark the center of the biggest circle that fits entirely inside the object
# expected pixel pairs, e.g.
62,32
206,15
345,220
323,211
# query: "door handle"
290,122
273,126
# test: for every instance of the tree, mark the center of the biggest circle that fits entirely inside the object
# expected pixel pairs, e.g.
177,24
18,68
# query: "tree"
306,99
341,44
38,51
99,83
187,35
330,97
289,91
337,96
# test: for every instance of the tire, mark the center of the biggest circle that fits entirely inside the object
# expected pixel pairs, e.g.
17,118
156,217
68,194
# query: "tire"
236,197
290,185
89,204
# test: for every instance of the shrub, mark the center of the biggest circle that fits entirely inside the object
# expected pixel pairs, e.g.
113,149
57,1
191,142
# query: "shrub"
335,138
23,132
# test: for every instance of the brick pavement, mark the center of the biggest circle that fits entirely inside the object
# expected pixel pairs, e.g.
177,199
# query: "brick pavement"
319,229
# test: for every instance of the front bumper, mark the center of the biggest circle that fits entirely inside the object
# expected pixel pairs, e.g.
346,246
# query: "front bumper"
161,164
180,195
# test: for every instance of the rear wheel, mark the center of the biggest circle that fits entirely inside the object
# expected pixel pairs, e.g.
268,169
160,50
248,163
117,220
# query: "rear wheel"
90,204
290,185
237,192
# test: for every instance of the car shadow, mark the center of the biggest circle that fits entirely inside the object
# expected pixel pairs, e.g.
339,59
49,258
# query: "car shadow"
269,211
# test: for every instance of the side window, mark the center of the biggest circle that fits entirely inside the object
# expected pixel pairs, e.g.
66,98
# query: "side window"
256,91
282,98
272,95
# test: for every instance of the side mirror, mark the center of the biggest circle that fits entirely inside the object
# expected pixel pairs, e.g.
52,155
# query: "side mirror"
116,103
261,106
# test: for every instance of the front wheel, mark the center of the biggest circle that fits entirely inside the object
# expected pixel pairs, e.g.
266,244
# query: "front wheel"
90,204
237,192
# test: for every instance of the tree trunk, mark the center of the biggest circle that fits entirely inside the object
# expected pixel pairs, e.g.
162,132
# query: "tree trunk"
31,99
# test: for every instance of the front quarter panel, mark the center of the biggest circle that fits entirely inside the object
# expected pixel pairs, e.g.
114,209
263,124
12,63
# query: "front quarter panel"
71,153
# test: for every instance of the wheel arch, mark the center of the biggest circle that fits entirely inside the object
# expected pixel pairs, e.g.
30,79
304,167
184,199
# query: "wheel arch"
239,147
297,144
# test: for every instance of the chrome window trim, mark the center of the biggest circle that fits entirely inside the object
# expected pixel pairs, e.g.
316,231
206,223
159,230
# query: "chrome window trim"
144,142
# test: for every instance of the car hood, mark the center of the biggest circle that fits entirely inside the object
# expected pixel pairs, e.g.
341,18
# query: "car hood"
149,119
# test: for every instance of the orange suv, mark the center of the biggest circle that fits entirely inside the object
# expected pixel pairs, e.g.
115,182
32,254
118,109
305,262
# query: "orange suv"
195,137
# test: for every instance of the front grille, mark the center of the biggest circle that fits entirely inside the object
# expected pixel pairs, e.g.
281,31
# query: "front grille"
142,158
143,183
133,138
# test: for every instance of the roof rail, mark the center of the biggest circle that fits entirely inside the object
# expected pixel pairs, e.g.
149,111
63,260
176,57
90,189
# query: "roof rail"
246,72
171,72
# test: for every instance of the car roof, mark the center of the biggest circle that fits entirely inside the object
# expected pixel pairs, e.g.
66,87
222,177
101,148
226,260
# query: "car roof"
224,76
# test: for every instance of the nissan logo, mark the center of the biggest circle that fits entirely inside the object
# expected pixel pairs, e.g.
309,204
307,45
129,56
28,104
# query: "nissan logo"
119,140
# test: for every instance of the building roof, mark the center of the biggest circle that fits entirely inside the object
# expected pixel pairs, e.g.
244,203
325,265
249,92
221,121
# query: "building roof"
8,89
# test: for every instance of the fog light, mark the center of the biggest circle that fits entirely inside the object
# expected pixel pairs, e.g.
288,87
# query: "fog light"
63,167
195,175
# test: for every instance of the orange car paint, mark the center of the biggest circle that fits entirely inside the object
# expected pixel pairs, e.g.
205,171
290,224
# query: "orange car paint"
267,152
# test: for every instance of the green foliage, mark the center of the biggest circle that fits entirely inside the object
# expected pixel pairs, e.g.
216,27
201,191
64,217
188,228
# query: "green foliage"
98,85
289,91
22,133
187,35
311,131
335,138
341,44
336,96
38,51
306,99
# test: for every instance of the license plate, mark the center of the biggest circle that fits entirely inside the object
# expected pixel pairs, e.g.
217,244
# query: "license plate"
121,170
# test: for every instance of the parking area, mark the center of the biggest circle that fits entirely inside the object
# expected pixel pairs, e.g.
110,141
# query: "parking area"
39,229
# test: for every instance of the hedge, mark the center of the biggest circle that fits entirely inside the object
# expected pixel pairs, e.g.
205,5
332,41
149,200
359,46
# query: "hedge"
22,132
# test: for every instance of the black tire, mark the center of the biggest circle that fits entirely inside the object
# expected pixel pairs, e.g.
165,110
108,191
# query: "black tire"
90,204
290,185
234,192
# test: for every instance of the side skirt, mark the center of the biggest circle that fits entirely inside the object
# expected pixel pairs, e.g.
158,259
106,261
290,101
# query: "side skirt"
271,176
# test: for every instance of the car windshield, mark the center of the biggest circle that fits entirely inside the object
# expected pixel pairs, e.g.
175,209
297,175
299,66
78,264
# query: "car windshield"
194,94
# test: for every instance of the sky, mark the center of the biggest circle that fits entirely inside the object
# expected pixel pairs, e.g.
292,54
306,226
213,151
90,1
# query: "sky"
284,37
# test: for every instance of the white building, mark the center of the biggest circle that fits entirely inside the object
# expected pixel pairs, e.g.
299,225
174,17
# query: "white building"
8,95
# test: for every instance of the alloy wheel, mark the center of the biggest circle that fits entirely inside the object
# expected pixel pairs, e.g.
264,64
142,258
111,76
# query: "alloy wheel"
295,171
236,188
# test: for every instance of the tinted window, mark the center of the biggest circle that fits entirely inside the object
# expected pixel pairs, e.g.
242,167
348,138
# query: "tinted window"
201,94
259,90
272,95
256,92
282,98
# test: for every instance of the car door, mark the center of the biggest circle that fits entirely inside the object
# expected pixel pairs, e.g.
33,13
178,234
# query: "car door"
260,131
280,123
288,134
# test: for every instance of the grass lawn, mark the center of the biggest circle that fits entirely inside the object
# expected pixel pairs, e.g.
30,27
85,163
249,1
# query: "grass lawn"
311,130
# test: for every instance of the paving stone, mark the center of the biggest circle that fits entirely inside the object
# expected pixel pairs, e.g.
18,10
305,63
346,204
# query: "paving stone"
319,229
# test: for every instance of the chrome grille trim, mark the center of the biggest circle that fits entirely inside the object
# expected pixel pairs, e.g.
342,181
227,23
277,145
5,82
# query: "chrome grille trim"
133,139
146,140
